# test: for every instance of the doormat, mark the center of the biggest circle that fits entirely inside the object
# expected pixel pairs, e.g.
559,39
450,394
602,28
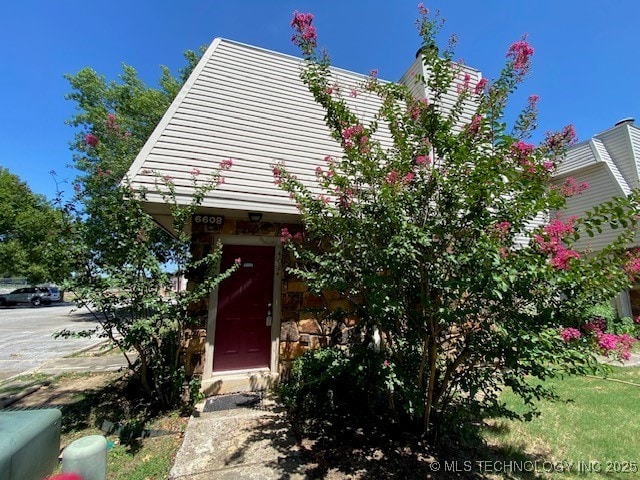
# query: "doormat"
232,401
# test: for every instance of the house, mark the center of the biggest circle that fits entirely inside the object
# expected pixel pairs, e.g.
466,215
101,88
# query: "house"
610,163
249,105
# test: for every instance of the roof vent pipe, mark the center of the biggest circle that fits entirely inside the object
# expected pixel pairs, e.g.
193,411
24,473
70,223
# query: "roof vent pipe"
629,120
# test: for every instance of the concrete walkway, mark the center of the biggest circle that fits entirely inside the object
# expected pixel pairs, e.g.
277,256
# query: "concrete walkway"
239,444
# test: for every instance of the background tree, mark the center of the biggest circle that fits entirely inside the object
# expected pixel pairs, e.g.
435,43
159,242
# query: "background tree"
123,261
422,237
31,245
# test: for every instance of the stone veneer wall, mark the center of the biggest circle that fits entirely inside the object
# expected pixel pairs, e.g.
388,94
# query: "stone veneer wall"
307,320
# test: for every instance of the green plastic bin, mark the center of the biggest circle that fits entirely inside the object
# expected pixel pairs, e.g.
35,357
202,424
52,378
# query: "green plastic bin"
29,443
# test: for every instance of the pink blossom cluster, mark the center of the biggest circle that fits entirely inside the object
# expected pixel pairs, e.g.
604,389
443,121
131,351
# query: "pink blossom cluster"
620,344
596,326
111,121
556,141
466,81
481,86
355,135
226,164
632,267
286,236
394,177
522,149
423,160
306,36
91,140
520,54
551,242
474,127
522,152
277,175
571,187
533,101
195,172
416,108
502,228
562,256
570,333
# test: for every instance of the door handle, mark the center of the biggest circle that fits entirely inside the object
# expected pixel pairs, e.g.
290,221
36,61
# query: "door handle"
269,320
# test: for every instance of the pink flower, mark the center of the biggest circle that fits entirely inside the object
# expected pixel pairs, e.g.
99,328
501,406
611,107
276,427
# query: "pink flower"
111,121
608,342
596,326
238,261
423,11
298,237
277,175
423,160
324,199
464,86
480,86
350,134
195,172
167,178
548,166
328,90
318,171
285,236
392,177
502,228
561,258
533,100
632,269
226,164
519,53
570,333
408,178
570,187
522,149
559,140
91,140
353,93
474,127
305,35
373,73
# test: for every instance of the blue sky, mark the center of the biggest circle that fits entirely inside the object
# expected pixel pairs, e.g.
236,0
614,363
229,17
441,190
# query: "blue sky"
585,68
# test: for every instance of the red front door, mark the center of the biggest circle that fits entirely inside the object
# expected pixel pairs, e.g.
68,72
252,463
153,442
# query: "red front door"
242,337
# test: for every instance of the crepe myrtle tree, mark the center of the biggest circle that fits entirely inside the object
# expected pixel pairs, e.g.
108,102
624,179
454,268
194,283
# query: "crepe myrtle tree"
123,279
433,238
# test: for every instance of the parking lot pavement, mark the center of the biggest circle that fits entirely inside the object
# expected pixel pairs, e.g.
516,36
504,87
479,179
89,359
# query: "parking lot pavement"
26,336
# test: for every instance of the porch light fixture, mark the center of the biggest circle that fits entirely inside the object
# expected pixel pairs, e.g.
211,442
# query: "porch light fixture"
255,216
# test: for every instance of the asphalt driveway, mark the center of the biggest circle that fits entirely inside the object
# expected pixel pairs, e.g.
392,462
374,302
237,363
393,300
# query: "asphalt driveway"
26,336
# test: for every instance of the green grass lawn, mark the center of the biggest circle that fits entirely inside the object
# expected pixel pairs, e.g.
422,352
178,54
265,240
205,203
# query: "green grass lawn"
596,422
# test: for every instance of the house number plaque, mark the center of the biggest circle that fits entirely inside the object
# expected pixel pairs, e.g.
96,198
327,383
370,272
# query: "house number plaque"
208,219
210,223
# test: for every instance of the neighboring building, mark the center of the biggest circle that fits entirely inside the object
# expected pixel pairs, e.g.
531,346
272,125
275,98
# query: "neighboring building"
610,163
249,104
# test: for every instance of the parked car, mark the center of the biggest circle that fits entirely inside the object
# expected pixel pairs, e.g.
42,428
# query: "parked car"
56,294
36,296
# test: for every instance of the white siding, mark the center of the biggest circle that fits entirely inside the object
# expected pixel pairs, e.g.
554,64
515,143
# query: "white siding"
249,105
602,187
617,142
522,240
579,156
603,155
634,137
